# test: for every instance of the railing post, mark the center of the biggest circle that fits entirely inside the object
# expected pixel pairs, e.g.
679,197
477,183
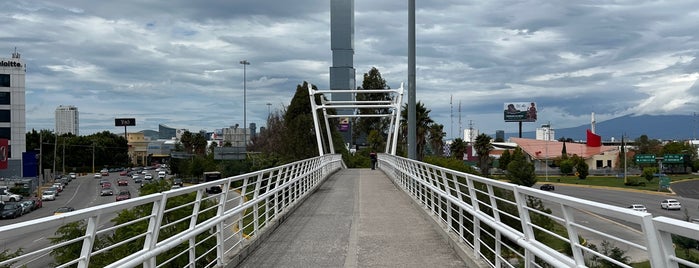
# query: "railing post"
89,242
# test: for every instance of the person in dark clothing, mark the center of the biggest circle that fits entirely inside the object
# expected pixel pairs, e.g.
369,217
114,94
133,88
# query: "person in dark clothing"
372,155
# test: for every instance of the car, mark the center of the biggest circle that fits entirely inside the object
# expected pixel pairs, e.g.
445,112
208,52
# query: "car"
547,187
124,173
72,175
62,210
38,203
214,189
638,207
123,195
106,185
137,179
98,175
11,210
123,182
104,172
670,204
48,195
58,186
103,181
148,176
27,206
55,190
161,174
106,191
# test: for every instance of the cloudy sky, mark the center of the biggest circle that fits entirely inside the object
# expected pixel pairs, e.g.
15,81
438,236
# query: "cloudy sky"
177,62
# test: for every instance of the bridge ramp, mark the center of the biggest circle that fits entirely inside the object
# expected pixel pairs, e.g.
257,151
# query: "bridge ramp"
357,218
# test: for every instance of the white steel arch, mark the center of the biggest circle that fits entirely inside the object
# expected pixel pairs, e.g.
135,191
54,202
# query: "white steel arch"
394,106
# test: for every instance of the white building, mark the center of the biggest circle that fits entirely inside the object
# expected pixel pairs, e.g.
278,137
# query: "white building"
67,120
470,135
545,133
12,110
235,135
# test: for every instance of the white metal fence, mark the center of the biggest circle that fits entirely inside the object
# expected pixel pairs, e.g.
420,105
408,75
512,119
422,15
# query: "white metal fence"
176,228
515,226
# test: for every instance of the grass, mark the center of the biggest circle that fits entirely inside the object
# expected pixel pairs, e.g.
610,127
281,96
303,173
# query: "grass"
611,181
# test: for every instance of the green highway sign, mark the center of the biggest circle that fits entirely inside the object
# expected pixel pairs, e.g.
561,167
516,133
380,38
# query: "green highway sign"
645,159
673,159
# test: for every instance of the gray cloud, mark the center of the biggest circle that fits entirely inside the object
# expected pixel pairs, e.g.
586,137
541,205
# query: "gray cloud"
177,62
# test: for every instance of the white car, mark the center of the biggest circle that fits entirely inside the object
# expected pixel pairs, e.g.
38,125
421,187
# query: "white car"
98,175
670,204
638,207
48,195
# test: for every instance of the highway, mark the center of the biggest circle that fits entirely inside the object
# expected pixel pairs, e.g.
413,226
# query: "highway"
82,192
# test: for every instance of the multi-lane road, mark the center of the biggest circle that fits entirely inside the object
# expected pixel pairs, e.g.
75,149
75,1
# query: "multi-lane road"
82,192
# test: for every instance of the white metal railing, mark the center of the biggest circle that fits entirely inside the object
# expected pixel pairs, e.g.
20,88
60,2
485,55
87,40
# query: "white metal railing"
513,226
179,227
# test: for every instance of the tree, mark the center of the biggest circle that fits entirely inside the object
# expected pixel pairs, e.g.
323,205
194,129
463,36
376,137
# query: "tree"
458,148
644,145
505,159
372,80
581,168
422,125
436,138
299,141
519,170
483,148
566,166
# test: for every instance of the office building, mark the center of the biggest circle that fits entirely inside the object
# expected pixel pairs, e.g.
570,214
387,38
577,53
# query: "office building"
546,133
67,120
12,112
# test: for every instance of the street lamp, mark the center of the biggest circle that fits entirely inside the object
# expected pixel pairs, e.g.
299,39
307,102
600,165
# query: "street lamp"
269,111
245,123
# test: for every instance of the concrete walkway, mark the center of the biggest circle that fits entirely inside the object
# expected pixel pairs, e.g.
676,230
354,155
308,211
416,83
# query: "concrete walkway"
357,218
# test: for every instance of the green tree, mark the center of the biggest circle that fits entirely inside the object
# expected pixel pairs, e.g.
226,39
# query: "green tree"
505,159
422,125
299,141
376,141
566,166
648,173
458,148
187,140
483,148
6,255
519,170
363,126
581,168
436,137
644,145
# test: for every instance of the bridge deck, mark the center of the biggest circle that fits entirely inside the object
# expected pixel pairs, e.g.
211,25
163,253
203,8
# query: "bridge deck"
357,218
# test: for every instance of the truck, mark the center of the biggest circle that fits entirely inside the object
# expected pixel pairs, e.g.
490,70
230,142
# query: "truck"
7,196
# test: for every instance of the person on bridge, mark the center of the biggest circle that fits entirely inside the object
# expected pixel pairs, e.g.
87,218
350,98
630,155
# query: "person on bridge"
373,158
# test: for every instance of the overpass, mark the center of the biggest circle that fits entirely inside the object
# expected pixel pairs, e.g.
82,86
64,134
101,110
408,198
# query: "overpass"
316,213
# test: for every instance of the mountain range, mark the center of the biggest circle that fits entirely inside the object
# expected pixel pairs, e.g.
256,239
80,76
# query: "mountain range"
662,127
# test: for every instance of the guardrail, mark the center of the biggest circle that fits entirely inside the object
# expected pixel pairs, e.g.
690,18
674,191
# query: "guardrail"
506,225
176,228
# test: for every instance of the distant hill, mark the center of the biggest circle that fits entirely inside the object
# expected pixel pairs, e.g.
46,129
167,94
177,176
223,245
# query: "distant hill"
664,127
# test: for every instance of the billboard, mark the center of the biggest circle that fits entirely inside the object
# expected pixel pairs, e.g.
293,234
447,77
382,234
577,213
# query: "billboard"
520,112
121,122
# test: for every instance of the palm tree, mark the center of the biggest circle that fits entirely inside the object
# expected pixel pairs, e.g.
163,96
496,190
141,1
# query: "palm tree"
437,134
422,125
458,148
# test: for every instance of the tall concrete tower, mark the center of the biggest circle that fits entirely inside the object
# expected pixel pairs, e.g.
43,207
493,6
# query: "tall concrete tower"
342,71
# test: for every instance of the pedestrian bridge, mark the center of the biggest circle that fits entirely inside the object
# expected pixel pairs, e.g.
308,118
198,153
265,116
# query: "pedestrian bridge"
315,213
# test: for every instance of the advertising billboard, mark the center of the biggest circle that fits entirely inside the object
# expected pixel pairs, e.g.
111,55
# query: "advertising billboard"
520,111
344,124
122,122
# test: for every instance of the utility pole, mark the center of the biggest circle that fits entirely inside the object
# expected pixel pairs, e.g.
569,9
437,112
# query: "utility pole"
93,157
55,148
41,171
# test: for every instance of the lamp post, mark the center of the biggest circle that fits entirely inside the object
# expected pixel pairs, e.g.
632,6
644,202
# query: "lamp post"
245,123
269,111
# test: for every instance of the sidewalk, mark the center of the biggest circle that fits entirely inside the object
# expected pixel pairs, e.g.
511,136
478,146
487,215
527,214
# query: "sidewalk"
357,218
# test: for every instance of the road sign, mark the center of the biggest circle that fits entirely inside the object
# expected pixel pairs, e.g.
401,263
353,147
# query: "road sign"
645,159
673,159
